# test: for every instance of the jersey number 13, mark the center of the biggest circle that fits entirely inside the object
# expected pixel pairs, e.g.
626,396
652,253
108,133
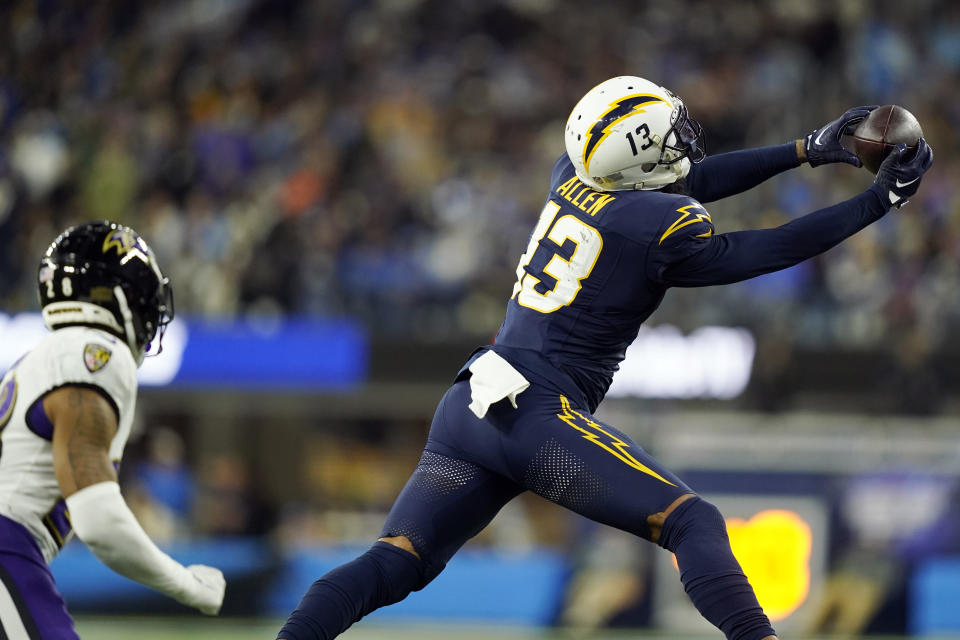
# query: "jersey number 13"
550,234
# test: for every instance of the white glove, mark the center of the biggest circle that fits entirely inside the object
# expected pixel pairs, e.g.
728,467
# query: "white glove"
203,589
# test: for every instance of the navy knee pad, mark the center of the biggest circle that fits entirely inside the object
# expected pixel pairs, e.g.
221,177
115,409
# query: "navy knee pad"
383,575
697,534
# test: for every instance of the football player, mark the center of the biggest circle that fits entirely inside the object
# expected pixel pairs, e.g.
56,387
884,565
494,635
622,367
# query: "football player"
624,220
66,408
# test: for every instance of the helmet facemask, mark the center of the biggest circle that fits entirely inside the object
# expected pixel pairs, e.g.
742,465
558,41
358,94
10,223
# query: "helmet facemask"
154,332
146,317
684,139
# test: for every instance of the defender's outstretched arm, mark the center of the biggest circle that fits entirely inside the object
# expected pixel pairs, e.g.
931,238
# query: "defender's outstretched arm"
84,424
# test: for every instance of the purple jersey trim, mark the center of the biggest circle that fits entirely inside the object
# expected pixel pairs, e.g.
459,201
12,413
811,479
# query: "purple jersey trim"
38,421
57,522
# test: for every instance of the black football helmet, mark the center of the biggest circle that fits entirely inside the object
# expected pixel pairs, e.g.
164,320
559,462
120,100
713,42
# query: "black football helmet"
103,274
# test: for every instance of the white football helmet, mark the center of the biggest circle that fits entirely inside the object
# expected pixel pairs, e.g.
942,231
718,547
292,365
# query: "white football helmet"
629,133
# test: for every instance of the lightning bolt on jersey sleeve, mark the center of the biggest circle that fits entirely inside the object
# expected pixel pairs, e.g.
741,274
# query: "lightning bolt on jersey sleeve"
727,174
686,230
697,260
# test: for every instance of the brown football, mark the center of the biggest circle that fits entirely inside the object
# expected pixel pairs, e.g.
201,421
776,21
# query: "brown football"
881,132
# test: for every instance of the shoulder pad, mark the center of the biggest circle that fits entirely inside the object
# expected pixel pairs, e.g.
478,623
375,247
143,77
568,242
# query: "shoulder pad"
79,355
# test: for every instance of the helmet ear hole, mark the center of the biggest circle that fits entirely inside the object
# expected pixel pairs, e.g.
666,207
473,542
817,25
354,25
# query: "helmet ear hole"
647,167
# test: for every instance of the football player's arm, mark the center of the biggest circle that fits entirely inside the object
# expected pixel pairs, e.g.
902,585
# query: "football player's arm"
727,174
689,254
732,257
84,424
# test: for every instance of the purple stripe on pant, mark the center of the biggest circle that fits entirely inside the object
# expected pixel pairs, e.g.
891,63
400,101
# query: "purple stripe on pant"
29,581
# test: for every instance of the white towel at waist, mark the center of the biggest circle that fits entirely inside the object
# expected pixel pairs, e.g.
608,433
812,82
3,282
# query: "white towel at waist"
492,380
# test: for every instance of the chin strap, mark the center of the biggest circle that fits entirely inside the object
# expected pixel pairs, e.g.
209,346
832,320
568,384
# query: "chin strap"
128,324
680,170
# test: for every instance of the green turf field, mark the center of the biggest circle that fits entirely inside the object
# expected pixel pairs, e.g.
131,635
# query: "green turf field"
144,628
125,628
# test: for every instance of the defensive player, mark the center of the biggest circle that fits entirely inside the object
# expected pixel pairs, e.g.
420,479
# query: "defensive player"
66,409
624,221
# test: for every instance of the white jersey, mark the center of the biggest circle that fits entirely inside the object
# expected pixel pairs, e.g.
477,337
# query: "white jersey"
29,493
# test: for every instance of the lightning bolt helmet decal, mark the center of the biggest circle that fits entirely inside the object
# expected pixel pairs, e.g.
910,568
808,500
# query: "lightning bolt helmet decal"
618,110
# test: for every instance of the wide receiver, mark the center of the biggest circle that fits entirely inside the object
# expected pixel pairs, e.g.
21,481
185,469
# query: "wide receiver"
622,223
66,409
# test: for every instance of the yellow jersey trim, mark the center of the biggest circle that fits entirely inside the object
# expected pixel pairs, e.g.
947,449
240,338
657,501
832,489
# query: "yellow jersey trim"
595,433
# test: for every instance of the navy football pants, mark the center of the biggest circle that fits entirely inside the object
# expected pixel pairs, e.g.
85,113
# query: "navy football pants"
471,468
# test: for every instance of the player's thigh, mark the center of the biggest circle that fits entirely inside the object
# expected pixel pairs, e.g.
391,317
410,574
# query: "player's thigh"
458,433
588,466
30,605
446,502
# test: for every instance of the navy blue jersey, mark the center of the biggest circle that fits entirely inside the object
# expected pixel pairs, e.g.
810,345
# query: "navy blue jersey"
589,277
599,263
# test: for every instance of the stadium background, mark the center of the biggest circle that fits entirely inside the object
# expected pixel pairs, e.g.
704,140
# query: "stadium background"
339,191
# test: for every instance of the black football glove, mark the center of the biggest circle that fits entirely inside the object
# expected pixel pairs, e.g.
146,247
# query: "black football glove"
822,145
898,178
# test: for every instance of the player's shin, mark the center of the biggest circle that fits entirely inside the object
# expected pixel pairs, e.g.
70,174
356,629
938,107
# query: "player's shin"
696,533
383,575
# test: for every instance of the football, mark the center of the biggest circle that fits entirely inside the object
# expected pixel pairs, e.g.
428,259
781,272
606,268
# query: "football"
881,132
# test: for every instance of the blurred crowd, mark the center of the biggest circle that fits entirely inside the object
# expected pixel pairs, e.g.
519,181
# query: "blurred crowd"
387,158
